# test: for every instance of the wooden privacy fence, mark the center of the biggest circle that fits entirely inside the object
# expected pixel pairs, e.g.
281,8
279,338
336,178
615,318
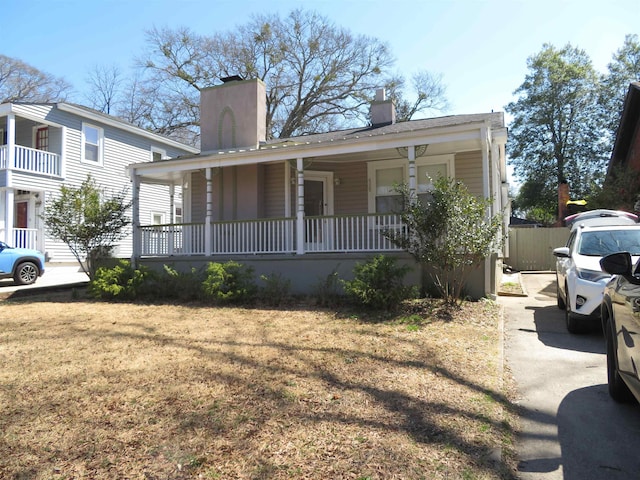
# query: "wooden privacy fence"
532,248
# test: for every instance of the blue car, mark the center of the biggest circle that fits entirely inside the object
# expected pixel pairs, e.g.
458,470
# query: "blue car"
22,264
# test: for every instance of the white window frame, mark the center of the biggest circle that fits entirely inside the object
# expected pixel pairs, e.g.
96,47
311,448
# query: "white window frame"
163,153
161,215
34,134
373,167
100,145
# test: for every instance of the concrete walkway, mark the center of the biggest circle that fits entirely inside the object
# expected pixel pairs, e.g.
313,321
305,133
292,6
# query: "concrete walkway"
55,275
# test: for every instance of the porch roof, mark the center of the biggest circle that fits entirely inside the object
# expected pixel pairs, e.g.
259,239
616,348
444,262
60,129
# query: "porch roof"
341,142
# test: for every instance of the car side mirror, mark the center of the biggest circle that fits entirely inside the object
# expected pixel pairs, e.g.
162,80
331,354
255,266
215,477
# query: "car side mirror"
562,252
617,264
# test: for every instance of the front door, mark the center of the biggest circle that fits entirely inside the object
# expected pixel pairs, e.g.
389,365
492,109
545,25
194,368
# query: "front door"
42,139
22,215
318,203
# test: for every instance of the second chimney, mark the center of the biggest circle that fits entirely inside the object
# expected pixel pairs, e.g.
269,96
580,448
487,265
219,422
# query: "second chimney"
383,111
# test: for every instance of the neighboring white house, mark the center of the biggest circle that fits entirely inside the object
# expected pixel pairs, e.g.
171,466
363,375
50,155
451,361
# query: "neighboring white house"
44,146
307,206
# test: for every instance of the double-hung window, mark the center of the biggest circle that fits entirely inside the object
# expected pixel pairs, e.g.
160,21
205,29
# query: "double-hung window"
387,180
386,176
92,144
427,174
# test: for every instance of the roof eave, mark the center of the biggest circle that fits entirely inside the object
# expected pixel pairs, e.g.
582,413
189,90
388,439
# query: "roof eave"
362,144
114,122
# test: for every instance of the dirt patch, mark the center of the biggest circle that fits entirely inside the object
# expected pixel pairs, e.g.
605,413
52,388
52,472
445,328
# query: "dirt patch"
106,391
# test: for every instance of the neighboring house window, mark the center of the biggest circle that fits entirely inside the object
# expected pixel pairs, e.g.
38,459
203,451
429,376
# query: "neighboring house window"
178,214
157,218
42,138
157,154
92,144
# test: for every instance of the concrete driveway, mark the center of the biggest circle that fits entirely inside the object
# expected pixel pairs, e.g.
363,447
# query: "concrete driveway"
55,275
570,427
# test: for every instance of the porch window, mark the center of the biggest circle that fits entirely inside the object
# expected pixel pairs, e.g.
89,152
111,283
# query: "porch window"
92,144
387,199
385,176
3,137
427,174
178,214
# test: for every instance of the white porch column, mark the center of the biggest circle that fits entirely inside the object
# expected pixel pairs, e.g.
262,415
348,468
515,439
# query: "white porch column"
11,162
413,184
11,151
63,153
172,216
300,208
7,220
486,192
208,237
135,217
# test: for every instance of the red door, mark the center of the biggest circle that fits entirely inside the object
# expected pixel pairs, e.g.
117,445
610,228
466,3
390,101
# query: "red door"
21,219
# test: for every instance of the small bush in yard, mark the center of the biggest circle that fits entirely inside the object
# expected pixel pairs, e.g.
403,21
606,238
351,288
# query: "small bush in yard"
378,284
229,282
276,290
120,282
173,284
327,290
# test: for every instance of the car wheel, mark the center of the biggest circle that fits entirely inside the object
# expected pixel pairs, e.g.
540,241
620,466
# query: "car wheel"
574,325
26,273
618,390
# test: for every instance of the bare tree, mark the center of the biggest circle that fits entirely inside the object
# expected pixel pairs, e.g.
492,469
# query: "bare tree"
104,88
20,82
319,76
429,95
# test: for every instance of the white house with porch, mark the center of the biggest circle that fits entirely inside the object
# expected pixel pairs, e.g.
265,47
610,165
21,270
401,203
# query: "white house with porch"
308,206
45,146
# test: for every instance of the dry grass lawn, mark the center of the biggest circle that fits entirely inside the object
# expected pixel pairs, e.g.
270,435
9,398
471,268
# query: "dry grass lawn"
92,390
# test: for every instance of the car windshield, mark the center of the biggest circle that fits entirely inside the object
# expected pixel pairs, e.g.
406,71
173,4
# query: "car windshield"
598,244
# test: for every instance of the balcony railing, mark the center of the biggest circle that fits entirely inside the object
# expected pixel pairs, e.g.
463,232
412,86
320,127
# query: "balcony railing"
344,233
31,160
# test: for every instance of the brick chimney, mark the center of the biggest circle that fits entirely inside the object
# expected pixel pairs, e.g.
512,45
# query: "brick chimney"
233,115
383,111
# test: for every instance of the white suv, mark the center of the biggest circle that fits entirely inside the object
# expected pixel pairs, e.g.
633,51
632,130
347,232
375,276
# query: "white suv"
580,280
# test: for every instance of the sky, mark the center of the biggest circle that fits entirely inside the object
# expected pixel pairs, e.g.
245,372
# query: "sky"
480,47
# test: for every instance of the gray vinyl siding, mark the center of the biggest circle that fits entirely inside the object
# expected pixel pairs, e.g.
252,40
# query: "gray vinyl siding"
274,190
198,197
350,196
120,149
468,166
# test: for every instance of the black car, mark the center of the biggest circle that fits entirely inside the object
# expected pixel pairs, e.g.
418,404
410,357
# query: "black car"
620,314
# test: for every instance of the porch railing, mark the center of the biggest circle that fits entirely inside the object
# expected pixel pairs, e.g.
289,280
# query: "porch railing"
25,238
344,233
30,160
